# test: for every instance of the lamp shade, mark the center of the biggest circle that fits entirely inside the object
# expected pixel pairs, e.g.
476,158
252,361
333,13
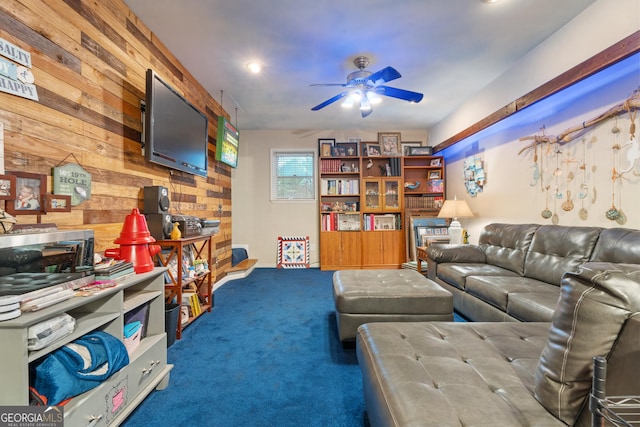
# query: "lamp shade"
455,209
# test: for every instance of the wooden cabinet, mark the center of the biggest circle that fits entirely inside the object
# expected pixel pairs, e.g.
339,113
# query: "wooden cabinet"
105,311
180,256
363,204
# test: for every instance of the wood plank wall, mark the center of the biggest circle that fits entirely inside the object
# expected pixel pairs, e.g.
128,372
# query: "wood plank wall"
89,61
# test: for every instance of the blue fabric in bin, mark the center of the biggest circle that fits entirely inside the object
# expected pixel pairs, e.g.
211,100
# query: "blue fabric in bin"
79,366
238,255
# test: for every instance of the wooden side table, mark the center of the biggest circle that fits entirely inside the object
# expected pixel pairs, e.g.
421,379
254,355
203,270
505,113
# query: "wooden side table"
421,251
421,255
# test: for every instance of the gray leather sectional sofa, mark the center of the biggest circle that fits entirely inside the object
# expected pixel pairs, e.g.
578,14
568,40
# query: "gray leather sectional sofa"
515,270
566,295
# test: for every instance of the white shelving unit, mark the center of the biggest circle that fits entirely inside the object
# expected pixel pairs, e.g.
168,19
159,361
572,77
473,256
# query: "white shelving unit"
114,399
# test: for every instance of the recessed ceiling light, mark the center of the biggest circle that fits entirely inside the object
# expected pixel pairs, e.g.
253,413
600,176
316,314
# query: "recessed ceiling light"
254,67
490,1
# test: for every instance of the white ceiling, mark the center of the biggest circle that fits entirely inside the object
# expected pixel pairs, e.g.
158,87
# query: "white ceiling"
446,49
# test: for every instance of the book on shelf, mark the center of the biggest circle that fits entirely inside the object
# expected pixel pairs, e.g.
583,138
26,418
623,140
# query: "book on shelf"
117,270
191,300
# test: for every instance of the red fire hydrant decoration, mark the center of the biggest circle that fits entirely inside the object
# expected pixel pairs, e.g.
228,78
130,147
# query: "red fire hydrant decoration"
134,243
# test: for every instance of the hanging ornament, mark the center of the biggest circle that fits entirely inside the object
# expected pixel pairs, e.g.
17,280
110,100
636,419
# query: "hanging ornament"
612,214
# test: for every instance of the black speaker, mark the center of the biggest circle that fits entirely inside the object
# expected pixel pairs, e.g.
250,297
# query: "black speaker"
160,225
156,199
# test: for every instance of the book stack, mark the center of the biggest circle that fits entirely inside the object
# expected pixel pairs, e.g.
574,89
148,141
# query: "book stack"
110,269
191,300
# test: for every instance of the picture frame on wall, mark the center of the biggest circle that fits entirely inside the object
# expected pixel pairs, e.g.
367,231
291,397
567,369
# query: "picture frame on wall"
29,195
57,203
7,187
325,145
390,143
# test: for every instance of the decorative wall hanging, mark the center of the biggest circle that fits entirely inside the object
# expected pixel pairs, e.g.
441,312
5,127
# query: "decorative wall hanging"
72,180
565,177
474,176
293,252
16,79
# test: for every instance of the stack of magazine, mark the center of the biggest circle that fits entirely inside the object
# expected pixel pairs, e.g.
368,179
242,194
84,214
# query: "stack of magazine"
111,269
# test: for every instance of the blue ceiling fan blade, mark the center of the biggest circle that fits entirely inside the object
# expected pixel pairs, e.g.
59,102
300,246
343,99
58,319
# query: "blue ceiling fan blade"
383,76
330,101
393,92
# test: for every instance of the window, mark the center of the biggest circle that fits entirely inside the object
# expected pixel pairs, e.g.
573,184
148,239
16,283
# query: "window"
293,175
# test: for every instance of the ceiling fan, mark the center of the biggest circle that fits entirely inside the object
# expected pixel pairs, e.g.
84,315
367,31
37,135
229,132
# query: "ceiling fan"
365,87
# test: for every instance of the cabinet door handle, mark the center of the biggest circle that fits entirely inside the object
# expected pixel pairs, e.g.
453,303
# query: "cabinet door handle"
93,420
148,370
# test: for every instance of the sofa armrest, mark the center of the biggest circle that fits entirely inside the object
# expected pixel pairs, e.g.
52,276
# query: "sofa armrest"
440,253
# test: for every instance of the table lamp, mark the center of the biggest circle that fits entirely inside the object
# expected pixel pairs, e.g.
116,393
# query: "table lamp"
455,209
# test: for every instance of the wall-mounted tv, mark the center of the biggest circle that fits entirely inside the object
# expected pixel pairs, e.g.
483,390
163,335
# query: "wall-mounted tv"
227,143
176,133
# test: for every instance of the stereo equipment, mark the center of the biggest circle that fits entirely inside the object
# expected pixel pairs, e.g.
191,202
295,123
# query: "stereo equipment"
156,199
160,225
188,225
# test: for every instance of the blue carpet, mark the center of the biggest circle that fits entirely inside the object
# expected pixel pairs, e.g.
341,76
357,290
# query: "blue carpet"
267,355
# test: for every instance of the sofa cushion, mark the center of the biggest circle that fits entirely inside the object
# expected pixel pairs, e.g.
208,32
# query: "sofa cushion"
619,245
506,245
594,305
557,249
456,274
495,290
452,374
533,306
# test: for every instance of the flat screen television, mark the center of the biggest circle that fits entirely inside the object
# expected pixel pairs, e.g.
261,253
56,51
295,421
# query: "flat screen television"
227,143
176,133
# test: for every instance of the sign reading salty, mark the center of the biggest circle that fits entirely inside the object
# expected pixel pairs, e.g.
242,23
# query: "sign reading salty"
16,80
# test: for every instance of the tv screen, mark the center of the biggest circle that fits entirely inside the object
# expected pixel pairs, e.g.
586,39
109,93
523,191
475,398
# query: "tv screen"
176,132
227,143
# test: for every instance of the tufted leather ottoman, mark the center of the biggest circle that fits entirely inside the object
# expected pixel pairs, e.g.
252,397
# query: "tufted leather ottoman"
366,296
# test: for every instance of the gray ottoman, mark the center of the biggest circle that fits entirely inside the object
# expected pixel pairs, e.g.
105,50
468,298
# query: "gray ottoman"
366,296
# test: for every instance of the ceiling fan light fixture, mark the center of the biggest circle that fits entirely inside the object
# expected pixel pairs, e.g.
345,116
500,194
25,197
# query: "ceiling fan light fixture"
254,67
374,98
348,102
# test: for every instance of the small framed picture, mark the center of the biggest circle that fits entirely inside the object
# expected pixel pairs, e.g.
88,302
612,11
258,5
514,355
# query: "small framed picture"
390,143
406,145
30,189
435,162
373,149
57,203
349,148
325,145
420,151
7,187
434,174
